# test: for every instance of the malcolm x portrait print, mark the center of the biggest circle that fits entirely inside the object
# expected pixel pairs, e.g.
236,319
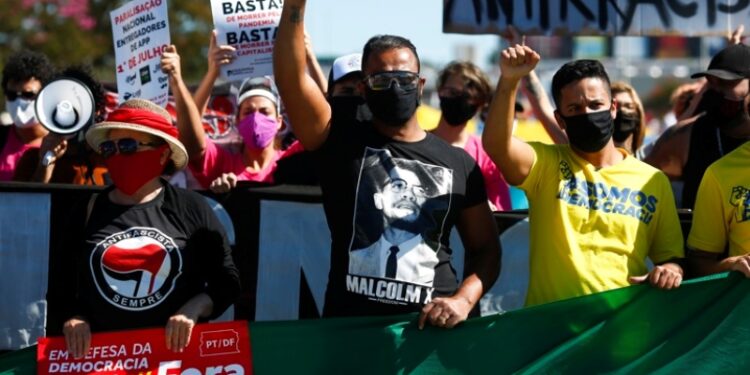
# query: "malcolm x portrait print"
399,216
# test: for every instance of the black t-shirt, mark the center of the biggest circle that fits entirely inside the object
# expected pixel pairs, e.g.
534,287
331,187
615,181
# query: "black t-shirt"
707,145
390,208
137,265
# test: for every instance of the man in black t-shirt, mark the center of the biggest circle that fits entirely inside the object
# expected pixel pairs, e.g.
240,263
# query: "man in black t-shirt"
684,151
390,250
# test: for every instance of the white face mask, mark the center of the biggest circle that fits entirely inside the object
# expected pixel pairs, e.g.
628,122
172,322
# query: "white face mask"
22,112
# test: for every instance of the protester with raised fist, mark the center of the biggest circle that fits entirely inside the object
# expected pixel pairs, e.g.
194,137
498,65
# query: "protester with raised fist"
630,121
258,122
389,176
148,254
595,211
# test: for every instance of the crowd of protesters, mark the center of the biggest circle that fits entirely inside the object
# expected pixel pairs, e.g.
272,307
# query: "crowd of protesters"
601,202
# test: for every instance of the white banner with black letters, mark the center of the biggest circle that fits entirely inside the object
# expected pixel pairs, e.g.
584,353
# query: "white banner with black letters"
595,17
250,27
140,30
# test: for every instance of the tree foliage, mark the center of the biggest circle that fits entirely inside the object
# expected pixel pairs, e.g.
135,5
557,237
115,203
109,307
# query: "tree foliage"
80,31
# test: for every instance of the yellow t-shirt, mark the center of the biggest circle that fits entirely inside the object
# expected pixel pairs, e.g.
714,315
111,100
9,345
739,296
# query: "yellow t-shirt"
591,229
722,207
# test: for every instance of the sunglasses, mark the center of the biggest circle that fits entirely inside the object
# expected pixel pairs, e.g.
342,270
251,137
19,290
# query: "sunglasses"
13,95
384,80
125,146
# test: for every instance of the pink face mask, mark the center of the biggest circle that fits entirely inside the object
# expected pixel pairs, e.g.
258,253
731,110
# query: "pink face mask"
257,130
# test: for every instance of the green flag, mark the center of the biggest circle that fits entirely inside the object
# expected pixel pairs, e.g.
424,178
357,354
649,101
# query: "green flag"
702,327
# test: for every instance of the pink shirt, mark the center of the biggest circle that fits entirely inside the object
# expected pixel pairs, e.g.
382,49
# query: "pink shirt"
494,182
11,153
218,160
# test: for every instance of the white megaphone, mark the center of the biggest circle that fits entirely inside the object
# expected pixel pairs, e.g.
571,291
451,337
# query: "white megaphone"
64,106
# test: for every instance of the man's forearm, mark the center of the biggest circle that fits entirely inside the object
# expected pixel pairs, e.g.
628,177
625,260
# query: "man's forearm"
481,273
498,129
290,61
308,111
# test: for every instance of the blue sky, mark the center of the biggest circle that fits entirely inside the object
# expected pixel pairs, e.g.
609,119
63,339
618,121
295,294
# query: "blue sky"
338,27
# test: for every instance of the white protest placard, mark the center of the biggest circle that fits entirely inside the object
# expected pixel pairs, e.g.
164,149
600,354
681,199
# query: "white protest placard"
140,30
250,27
595,17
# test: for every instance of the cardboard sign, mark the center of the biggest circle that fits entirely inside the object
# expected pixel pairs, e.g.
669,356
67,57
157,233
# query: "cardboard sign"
220,348
140,30
251,28
595,17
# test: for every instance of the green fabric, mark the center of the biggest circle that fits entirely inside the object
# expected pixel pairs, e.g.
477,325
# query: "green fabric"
702,327
19,362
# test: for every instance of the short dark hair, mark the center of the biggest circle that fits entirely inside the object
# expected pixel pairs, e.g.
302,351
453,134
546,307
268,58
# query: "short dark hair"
382,43
25,65
575,71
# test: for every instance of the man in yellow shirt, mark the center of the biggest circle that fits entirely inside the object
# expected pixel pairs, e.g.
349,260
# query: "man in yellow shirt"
721,219
595,212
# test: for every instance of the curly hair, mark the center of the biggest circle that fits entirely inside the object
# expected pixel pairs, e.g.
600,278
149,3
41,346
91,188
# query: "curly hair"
25,65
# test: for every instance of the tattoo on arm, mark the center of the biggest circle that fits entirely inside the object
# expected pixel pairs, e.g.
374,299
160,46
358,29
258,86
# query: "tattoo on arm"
296,16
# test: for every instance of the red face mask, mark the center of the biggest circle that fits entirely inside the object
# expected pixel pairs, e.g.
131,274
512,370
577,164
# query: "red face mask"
130,172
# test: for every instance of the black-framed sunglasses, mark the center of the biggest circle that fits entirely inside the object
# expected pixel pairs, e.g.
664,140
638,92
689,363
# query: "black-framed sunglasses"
383,80
28,95
125,146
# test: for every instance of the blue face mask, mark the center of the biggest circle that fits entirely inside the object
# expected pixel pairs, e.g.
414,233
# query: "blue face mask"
589,132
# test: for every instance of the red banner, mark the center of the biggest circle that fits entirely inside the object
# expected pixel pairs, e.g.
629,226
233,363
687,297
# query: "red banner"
219,348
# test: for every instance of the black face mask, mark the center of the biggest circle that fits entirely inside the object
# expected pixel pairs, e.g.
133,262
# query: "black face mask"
393,106
457,110
625,125
726,113
346,108
589,132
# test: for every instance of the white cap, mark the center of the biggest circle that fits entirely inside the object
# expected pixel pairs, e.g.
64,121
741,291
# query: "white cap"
345,65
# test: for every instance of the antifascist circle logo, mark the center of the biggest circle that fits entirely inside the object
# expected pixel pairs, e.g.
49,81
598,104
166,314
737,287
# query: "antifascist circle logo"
136,269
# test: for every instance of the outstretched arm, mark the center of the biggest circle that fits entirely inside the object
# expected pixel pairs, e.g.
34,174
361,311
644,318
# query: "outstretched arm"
218,55
513,156
313,67
306,106
704,263
189,122
532,88
543,110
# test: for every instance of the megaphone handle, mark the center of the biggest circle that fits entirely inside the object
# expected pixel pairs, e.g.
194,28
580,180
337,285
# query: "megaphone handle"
48,157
